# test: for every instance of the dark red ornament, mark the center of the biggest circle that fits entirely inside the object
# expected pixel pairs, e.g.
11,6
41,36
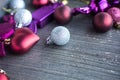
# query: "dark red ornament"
23,40
40,2
102,22
62,14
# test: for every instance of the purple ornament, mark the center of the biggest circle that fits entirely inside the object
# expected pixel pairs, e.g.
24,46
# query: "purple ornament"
6,30
95,6
44,15
2,50
9,18
33,27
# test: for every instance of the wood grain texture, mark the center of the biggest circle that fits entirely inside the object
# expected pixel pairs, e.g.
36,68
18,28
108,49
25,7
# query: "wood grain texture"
88,55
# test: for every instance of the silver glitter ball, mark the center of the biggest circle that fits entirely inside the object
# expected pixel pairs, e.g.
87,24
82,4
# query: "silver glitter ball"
23,17
17,4
59,36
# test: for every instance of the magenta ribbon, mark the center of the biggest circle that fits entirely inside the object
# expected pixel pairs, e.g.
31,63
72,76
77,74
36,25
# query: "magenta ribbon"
96,6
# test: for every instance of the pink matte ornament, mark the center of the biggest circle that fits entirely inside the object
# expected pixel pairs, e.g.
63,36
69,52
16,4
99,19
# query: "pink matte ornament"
115,13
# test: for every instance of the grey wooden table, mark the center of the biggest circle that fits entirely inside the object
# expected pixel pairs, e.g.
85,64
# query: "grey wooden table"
88,55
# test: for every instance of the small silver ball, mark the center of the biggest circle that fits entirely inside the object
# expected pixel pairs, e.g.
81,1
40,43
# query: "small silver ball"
17,4
59,35
23,17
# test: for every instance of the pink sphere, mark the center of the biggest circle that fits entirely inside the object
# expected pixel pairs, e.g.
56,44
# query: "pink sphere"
115,13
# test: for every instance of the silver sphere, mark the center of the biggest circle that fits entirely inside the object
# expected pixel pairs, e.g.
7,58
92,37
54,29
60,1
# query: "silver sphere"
59,35
17,4
23,17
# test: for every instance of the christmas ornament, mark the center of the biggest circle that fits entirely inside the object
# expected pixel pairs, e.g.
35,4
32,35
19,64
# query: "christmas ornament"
23,40
115,13
95,6
62,14
2,49
17,4
22,17
6,30
103,22
43,16
9,19
59,36
40,2
33,27
3,75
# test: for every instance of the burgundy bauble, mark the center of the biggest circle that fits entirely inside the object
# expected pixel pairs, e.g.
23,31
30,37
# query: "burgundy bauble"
62,14
102,22
23,40
115,13
40,2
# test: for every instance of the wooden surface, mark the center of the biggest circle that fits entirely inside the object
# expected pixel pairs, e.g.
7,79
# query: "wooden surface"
88,55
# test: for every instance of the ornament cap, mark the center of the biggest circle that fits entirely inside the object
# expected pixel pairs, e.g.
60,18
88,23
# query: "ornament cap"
19,25
49,41
2,71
